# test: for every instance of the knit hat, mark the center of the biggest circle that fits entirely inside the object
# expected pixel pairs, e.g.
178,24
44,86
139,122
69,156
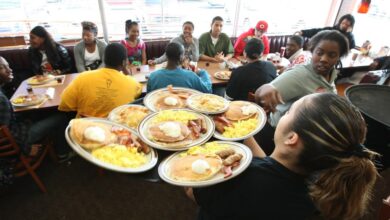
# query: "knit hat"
262,26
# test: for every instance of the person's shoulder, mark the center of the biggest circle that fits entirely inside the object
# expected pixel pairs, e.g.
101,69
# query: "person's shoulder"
101,42
224,36
204,36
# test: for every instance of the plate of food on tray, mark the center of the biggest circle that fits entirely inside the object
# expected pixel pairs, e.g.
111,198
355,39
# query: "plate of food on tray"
207,103
129,115
40,79
241,120
28,100
205,165
223,75
176,129
168,98
110,145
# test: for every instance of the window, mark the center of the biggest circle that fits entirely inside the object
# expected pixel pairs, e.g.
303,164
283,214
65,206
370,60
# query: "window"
373,26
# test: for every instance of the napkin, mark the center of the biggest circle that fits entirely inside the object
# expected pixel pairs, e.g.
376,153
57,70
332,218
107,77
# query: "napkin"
50,92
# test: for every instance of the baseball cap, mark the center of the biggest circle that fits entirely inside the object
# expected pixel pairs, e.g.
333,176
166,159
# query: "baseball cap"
262,26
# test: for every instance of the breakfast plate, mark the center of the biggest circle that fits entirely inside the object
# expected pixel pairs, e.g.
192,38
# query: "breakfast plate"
129,115
198,168
110,145
168,98
242,120
40,79
207,103
223,75
176,129
28,100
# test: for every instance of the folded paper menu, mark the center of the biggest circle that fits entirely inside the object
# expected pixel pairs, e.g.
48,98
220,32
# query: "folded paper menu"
50,92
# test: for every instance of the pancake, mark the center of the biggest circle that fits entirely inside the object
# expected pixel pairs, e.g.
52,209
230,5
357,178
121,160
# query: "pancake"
162,102
132,115
159,135
182,168
78,133
235,111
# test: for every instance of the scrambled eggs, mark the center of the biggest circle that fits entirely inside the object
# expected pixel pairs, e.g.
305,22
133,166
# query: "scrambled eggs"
208,148
170,115
120,155
210,103
240,128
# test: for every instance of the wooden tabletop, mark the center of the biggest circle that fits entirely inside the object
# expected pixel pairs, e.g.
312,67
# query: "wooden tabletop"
41,89
138,72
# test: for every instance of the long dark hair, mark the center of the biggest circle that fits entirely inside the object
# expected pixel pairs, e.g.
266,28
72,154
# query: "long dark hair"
332,132
49,45
349,18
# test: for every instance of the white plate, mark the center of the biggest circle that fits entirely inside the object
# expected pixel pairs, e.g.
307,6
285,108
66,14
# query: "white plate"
31,80
190,104
218,76
152,156
151,98
113,114
164,168
146,123
40,98
262,119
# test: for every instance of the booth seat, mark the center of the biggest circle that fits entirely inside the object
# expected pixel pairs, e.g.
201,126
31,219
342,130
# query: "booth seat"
19,61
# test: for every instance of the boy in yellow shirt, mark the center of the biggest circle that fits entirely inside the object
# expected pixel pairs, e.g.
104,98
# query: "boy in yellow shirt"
96,93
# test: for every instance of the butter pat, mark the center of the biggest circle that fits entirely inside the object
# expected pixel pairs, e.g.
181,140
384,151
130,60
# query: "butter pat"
248,109
170,129
200,166
95,134
170,101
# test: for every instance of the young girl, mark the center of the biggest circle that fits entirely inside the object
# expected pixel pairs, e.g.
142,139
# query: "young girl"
136,50
47,56
88,53
319,169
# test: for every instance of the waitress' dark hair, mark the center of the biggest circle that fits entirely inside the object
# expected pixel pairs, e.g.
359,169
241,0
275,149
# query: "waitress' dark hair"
128,24
332,132
49,45
333,35
89,26
174,52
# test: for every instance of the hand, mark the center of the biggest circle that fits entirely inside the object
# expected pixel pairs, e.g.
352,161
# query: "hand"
268,97
188,39
151,62
298,33
219,57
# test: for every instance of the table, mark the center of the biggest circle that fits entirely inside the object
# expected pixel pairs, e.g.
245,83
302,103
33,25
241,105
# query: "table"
50,103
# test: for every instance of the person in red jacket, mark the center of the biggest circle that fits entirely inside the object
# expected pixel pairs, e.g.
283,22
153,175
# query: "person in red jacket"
257,32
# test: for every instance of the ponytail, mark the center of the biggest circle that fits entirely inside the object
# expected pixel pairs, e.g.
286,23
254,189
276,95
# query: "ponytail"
344,191
332,132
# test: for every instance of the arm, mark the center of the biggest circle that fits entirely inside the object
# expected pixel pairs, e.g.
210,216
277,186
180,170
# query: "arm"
207,58
78,57
66,61
234,86
311,32
205,82
230,50
266,44
102,47
69,97
195,50
5,111
239,46
144,55
255,148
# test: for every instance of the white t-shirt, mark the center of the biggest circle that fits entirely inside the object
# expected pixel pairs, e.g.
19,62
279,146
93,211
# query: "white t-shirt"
91,57
214,40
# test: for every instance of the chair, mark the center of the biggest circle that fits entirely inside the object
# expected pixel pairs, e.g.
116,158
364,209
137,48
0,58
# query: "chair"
24,165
